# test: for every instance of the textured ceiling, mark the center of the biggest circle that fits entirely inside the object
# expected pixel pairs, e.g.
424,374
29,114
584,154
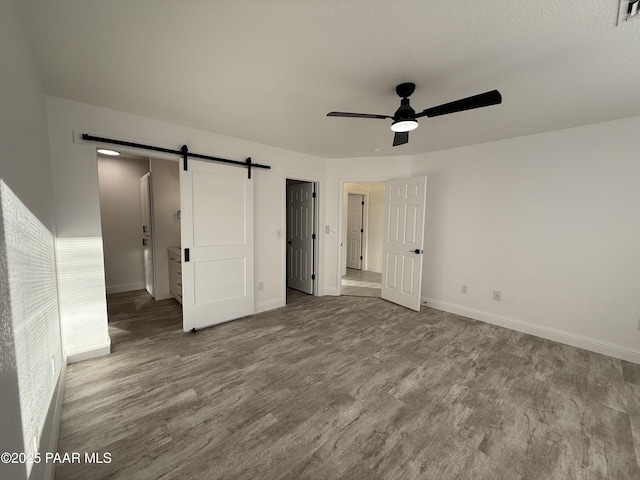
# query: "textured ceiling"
270,70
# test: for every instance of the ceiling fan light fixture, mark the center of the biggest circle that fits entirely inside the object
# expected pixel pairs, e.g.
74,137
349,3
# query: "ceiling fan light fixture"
404,125
404,119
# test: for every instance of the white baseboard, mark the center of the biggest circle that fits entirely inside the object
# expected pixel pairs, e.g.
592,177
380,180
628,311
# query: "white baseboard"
57,401
125,287
273,304
95,351
568,338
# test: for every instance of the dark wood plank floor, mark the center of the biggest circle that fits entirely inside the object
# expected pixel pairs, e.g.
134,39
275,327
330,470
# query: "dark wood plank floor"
345,388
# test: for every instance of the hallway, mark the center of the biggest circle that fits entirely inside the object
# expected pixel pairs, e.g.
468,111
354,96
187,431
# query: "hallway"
361,283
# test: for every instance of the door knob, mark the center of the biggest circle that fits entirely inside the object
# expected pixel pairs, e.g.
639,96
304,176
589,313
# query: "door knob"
417,250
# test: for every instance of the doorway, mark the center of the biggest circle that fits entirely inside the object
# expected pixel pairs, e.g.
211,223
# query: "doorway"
121,221
403,202
301,236
355,230
362,234
138,227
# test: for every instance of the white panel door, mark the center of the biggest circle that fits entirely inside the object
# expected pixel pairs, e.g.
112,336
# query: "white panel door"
402,248
300,220
216,203
354,231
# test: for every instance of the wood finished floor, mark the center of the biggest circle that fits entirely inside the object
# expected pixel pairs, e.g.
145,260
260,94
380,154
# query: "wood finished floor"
345,388
361,283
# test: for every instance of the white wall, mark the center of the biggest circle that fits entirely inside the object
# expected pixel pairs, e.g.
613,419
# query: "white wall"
551,221
77,203
120,212
165,184
546,219
24,166
374,223
339,172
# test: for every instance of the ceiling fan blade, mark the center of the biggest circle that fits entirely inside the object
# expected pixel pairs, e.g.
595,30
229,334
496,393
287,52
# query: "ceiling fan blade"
482,100
356,115
400,138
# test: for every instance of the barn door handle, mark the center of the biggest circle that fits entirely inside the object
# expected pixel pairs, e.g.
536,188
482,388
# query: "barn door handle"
417,250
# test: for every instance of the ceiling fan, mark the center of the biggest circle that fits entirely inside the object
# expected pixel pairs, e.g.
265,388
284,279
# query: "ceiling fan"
404,120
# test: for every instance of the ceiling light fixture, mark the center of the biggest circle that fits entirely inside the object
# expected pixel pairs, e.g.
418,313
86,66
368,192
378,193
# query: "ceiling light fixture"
104,151
404,125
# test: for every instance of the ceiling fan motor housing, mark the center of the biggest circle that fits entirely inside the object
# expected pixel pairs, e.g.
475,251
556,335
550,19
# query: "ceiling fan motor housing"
405,112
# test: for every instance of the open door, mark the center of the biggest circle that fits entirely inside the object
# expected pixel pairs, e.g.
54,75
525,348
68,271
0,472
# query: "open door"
402,248
217,244
300,222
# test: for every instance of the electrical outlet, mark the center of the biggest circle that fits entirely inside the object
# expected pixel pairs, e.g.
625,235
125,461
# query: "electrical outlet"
497,295
463,289
260,285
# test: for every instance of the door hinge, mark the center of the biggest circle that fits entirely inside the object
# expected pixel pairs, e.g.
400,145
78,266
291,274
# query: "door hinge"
360,257
363,202
186,254
313,195
362,230
313,236
313,277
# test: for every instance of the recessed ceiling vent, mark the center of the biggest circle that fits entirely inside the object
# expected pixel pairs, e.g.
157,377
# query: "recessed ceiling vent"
629,9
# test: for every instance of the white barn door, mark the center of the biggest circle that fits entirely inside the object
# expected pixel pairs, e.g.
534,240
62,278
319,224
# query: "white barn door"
216,204
402,248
